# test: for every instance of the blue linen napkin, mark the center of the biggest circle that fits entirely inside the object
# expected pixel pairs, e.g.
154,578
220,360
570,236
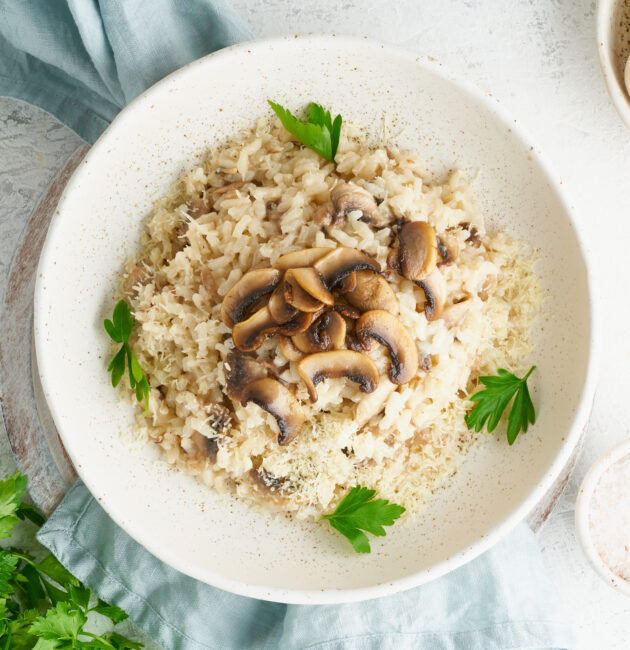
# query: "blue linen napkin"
82,61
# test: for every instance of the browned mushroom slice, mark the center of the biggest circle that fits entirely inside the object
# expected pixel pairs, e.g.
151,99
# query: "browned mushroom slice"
219,192
297,259
434,287
348,283
417,255
299,299
139,276
341,262
338,363
240,371
456,313
246,293
373,292
448,248
348,197
250,334
327,332
346,310
311,281
278,400
381,326
289,350
323,216
281,311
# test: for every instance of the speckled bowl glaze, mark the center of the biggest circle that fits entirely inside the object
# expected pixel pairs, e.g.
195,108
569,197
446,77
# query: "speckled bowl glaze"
165,131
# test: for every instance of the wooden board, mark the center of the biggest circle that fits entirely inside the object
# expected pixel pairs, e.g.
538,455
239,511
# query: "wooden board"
37,448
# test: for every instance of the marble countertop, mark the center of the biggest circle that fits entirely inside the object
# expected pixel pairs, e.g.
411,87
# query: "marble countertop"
540,60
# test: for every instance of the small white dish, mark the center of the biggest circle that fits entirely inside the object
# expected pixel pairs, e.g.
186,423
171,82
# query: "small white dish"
613,65
583,511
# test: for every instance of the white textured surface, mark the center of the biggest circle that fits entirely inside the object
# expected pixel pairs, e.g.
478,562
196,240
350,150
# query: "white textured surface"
540,59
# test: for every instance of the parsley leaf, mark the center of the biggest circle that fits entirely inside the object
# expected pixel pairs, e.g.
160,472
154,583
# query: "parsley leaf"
12,489
494,399
320,133
119,330
42,605
359,511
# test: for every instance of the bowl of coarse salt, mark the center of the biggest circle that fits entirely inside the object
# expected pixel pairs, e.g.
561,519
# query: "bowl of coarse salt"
602,516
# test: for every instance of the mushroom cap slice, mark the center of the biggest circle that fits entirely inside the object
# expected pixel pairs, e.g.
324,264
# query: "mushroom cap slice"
246,293
338,363
417,256
289,349
385,328
311,282
327,332
281,311
373,292
250,334
297,259
348,283
240,371
346,310
434,287
341,262
348,197
278,400
447,247
456,313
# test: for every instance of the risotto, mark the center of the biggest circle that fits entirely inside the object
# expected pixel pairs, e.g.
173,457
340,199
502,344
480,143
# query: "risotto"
307,328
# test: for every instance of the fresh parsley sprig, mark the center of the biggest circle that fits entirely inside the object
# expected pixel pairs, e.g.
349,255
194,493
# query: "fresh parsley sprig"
320,133
359,511
494,399
42,605
119,329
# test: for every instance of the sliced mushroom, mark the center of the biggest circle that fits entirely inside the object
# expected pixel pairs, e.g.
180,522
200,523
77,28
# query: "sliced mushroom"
246,293
201,447
346,310
297,259
241,370
326,333
299,299
434,287
281,311
278,400
341,262
197,207
338,363
373,292
217,193
310,281
348,197
417,255
381,326
455,314
448,248
323,216
140,275
348,283
371,404
250,334
289,350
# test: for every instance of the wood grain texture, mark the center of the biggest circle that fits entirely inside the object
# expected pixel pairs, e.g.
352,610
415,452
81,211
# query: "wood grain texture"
34,440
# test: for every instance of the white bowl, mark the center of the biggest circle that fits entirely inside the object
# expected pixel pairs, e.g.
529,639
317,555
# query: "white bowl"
582,514
219,539
612,69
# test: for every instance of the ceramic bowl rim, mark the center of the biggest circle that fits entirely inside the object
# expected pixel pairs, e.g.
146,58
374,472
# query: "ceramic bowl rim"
580,417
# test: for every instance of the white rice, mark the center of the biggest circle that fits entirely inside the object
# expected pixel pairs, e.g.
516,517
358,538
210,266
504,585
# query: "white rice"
406,450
